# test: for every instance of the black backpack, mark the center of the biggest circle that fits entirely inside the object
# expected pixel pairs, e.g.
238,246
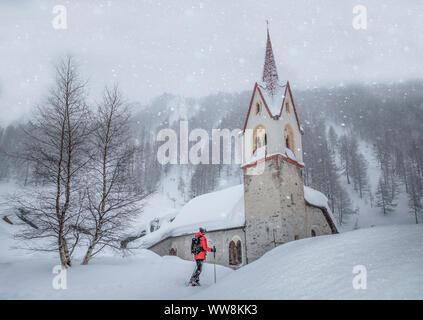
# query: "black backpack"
196,245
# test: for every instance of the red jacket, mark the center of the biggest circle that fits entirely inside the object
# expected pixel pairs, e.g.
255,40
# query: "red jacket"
203,243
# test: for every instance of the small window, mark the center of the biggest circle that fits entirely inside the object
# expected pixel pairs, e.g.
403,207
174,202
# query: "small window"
258,107
289,138
261,142
172,252
296,237
288,107
232,253
313,233
235,253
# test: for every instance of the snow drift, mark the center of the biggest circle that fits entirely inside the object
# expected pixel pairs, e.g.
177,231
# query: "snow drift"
322,268
313,268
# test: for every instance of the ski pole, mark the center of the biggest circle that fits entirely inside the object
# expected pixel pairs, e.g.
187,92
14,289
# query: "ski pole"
214,258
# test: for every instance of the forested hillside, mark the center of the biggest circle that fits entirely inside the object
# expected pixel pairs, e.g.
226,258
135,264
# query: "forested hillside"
338,122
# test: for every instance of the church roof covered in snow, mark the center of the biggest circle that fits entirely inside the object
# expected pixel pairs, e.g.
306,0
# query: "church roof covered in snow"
218,210
317,199
221,210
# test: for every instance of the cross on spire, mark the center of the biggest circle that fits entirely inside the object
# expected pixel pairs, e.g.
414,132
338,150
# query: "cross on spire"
270,73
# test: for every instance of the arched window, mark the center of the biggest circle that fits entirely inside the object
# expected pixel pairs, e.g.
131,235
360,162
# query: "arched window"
258,107
313,233
235,252
172,252
288,136
259,137
287,107
232,253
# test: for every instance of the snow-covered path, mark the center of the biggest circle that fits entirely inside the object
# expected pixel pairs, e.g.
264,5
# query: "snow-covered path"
143,276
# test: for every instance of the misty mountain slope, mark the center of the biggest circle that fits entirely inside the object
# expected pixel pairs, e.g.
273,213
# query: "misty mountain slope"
367,112
367,213
385,119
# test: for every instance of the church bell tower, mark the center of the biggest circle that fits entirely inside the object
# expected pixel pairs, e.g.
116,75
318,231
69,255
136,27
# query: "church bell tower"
273,187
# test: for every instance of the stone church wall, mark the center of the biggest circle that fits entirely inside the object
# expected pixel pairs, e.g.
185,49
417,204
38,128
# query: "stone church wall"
317,221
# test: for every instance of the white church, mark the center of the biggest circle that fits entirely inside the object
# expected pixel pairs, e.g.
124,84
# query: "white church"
272,206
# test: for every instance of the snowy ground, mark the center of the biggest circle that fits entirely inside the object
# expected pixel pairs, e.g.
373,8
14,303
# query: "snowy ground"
314,268
143,276
140,275
322,268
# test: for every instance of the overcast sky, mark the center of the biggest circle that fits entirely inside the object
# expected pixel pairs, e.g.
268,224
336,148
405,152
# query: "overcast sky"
195,48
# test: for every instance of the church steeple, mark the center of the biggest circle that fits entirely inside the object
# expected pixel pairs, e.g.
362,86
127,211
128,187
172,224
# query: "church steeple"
270,73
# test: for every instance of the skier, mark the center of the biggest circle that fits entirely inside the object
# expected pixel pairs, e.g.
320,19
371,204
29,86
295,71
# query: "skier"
200,256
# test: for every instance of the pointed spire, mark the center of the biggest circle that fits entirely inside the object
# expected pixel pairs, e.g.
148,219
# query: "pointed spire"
270,73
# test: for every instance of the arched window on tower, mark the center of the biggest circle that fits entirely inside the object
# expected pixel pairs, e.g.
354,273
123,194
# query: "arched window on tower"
287,107
258,107
259,137
288,135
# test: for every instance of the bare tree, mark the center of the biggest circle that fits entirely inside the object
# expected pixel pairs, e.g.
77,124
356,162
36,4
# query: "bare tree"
111,200
56,147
